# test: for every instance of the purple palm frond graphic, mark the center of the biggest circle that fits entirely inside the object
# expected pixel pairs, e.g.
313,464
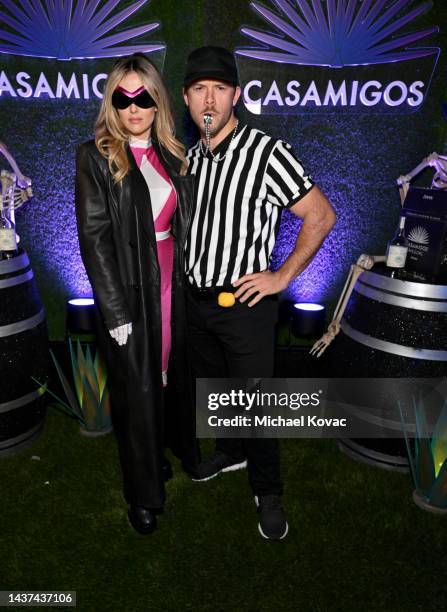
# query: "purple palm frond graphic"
70,29
338,33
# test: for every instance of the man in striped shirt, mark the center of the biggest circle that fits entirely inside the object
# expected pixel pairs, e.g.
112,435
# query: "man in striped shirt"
244,179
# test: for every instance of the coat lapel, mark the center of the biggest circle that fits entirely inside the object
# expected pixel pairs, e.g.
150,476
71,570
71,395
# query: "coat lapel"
171,164
184,186
141,197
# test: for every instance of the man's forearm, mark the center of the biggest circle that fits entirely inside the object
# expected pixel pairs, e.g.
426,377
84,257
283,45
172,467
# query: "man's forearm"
309,240
318,218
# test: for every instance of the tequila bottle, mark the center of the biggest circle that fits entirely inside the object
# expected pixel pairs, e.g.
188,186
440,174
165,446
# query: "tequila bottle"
396,254
8,240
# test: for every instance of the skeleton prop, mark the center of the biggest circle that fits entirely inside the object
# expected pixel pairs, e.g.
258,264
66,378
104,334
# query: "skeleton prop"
364,262
15,186
436,161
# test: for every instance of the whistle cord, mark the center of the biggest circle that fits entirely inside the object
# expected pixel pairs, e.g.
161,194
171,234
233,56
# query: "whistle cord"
207,120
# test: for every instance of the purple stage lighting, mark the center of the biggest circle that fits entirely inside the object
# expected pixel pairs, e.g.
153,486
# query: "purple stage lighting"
308,320
307,306
80,316
81,301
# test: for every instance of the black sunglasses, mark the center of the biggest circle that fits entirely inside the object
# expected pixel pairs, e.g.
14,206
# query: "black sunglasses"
121,98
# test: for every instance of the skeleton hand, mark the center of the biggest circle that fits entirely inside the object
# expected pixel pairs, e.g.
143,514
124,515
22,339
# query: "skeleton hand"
367,261
321,345
434,160
364,262
439,163
121,333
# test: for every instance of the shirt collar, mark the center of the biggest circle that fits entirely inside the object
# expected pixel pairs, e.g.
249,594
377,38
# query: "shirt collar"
139,143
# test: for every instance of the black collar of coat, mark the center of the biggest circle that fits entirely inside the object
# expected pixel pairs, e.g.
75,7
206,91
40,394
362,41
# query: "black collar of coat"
171,162
140,196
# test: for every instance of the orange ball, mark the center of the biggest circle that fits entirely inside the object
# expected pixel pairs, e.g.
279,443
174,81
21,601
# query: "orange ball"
226,300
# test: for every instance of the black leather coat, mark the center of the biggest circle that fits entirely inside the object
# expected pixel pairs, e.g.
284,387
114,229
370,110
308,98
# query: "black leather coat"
119,251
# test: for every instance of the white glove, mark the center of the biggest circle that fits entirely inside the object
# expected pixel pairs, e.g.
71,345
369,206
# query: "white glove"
121,333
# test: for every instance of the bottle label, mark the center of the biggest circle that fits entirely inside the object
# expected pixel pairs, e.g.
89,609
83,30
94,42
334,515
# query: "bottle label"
8,239
396,256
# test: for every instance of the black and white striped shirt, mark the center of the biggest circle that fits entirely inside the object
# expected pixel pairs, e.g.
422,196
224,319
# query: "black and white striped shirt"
238,204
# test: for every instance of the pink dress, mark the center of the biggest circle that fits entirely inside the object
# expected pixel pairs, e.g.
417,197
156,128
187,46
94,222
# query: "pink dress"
163,201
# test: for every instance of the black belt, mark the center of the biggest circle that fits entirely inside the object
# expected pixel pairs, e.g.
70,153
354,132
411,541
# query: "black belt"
209,293
212,293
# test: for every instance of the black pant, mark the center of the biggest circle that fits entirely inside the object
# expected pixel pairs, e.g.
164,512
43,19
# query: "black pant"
238,342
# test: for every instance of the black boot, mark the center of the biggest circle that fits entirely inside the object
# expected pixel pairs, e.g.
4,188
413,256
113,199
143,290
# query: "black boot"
142,519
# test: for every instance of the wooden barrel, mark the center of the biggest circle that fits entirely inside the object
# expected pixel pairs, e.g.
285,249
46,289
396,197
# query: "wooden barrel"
391,328
23,355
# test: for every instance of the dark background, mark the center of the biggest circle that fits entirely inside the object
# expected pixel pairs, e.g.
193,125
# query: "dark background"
355,158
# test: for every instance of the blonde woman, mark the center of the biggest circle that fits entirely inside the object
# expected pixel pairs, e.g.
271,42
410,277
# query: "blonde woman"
132,209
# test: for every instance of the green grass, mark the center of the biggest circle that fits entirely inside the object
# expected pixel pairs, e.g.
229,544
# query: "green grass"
356,540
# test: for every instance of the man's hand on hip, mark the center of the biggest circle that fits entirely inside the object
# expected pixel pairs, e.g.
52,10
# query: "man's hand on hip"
261,284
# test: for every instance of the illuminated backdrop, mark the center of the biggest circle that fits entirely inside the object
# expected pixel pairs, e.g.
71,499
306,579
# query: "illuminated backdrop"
354,157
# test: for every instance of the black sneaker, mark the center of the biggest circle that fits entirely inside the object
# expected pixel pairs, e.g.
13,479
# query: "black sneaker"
214,465
272,520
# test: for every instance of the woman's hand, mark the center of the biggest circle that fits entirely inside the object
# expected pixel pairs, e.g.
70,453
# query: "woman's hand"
121,333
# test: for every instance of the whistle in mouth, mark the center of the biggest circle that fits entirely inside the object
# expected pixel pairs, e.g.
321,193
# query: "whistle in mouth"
207,119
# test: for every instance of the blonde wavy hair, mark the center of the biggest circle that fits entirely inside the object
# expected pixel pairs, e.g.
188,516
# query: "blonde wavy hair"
110,135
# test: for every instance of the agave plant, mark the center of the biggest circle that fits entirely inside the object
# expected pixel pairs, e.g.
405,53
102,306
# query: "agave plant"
338,33
70,29
428,459
90,401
